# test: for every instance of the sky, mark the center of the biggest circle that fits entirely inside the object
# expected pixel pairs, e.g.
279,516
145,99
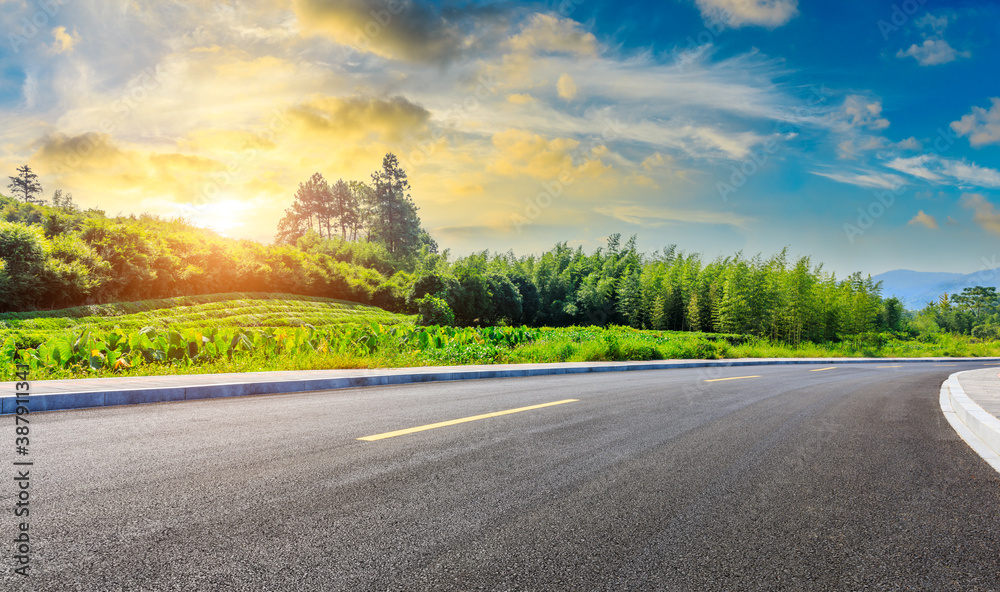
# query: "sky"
863,133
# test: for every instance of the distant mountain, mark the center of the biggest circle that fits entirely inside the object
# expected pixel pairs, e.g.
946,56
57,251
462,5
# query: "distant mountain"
917,288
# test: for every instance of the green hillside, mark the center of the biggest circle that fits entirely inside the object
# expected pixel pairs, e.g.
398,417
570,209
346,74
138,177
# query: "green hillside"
232,310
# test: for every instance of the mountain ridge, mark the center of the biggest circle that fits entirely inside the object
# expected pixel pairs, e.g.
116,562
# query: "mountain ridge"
916,288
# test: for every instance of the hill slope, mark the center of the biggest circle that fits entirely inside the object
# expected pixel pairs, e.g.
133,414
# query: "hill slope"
239,309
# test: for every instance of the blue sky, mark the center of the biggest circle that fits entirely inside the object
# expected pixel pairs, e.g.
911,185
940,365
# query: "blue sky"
865,134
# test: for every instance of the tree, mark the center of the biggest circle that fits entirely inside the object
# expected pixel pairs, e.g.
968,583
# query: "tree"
342,206
310,210
364,203
395,223
893,314
22,266
64,202
25,185
976,299
291,228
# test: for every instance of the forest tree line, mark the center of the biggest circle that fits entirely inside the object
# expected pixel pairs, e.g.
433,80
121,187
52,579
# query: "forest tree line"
364,243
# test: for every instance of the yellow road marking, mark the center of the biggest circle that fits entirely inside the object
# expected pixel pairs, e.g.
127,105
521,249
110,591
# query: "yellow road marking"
888,366
822,369
732,378
442,424
991,363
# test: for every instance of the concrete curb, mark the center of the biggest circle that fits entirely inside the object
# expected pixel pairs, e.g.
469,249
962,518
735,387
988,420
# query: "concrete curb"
979,429
134,396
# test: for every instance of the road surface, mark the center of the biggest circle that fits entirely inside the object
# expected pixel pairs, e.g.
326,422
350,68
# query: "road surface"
763,478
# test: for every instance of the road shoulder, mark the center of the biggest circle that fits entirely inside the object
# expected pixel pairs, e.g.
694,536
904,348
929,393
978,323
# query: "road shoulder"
967,399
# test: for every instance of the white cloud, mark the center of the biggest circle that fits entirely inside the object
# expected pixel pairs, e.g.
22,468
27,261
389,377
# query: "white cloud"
853,148
708,110
981,125
936,24
971,174
872,179
862,111
933,52
738,13
937,170
916,166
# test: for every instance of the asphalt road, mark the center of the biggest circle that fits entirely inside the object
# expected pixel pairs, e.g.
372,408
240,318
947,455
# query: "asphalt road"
842,479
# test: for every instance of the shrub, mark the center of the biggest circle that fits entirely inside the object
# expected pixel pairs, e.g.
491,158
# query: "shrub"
434,311
986,332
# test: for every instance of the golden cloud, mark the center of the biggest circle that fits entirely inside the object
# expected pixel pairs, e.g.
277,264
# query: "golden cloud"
925,220
64,40
222,140
546,33
985,214
524,153
61,153
520,98
357,118
566,87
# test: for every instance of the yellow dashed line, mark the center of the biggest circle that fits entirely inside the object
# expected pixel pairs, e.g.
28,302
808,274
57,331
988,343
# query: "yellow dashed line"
442,424
822,369
732,378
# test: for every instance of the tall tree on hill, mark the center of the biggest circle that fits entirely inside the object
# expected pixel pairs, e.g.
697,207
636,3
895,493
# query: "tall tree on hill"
25,185
291,227
316,198
364,209
311,210
395,223
343,207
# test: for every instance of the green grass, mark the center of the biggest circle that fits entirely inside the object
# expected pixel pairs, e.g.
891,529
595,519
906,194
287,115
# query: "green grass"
262,312
590,344
233,310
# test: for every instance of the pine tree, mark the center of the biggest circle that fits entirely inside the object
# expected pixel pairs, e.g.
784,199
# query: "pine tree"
25,185
395,223
343,207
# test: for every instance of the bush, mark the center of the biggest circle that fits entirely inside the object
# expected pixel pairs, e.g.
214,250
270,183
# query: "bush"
22,266
434,311
986,332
